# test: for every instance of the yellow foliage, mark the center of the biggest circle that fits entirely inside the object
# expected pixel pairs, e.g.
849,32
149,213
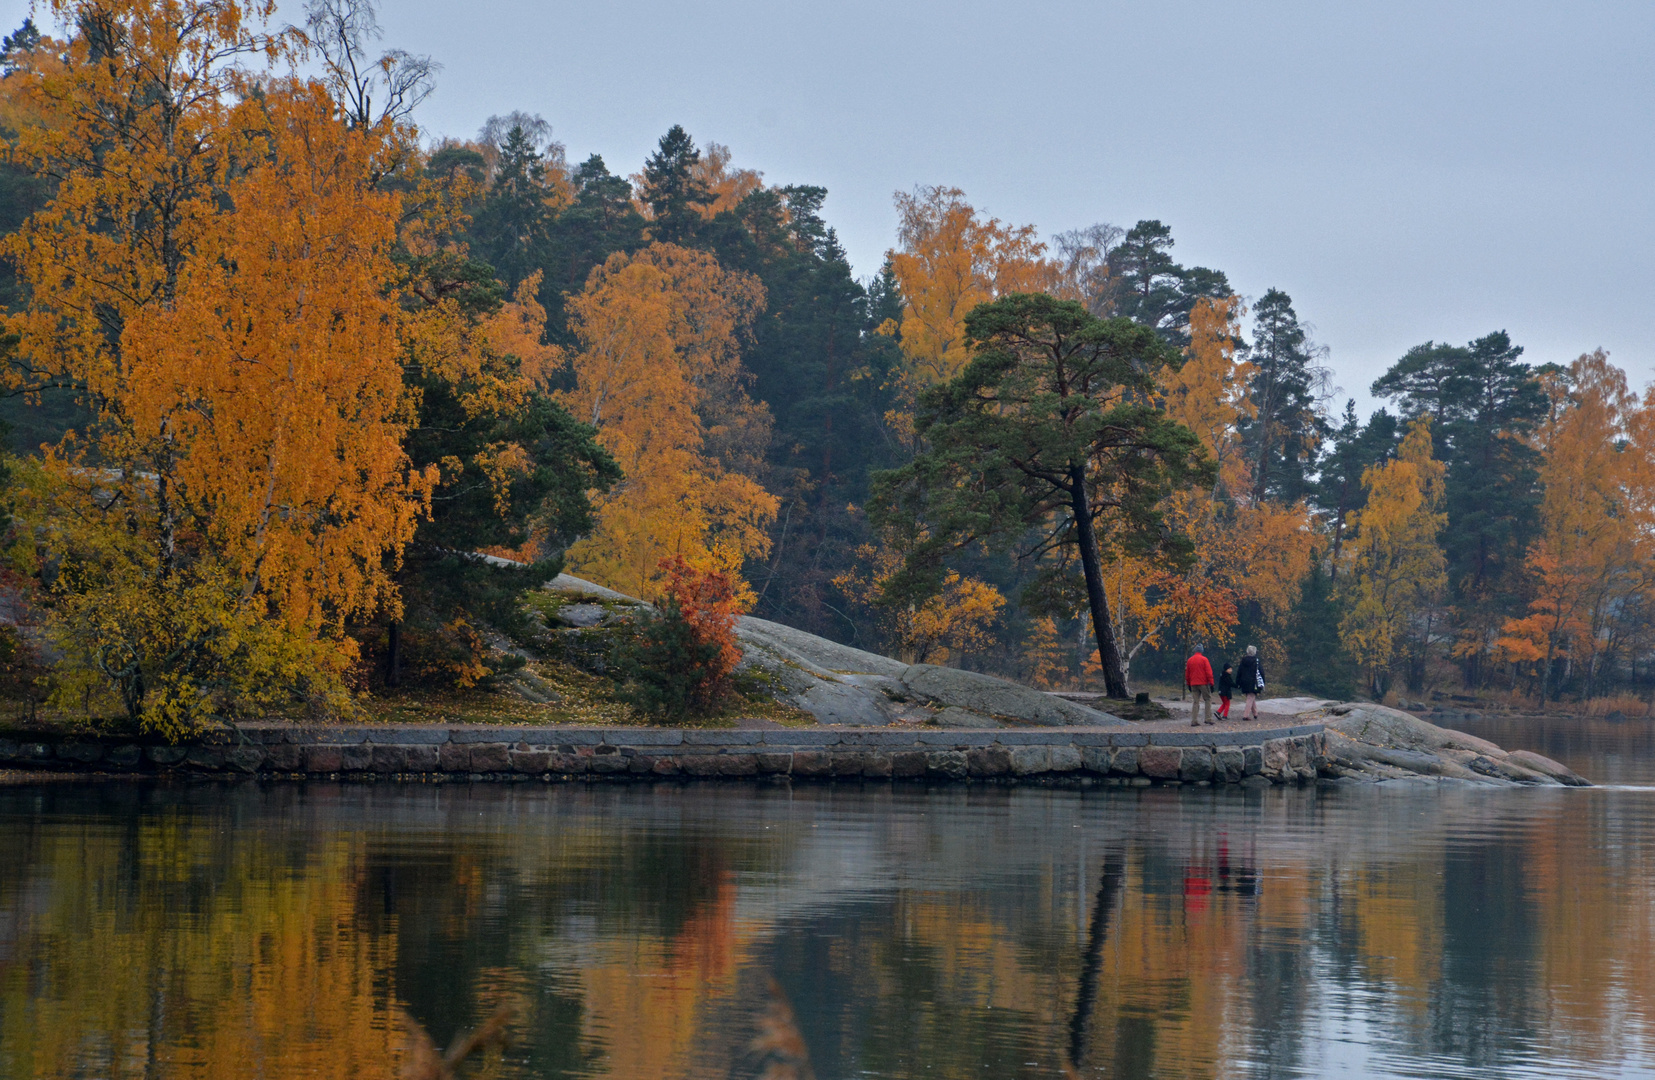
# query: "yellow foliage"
214,277
727,186
949,262
1398,570
1243,551
1044,658
659,334
958,619
1594,550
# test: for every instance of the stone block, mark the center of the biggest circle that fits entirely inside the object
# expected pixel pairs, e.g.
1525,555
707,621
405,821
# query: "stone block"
389,759
1229,766
811,762
905,764
720,765
454,757
422,758
1029,760
560,762
1252,760
956,737
206,757
124,757
801,737
1275,758
337,736
643,737
530,761
356,758
10,750
284,757
1160,762
408,736
877,737
490,757
321,759
83,752
1065,759
1187,737
247,758
847,763
666,766
988,761
1123,761
774,763
165,755
1095,759
1032,738
722,737
947,764
640,764
488,734
1195,765
1296,756
600,764
876,763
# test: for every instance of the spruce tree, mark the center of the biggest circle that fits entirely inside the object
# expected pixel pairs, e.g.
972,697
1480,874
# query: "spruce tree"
674,194
1285,431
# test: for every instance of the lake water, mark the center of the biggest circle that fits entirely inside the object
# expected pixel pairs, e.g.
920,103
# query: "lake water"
293,930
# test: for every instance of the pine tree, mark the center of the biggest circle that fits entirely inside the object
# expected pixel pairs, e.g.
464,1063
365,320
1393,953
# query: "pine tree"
1352,449
673,189
1285,430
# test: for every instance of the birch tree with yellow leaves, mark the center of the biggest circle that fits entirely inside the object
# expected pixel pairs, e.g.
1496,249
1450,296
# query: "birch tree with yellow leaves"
659,375
1397,571
213,280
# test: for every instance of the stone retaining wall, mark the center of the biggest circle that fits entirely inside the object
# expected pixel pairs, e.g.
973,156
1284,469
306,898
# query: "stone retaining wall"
1277,755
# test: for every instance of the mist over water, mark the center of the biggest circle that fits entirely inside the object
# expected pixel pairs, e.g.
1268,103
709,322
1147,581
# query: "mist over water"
287,930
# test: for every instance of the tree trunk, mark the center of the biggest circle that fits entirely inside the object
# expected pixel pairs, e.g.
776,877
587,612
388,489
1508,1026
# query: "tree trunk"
1109,654
393,657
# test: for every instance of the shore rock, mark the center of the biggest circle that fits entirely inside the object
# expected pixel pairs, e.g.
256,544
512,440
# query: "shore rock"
1376,743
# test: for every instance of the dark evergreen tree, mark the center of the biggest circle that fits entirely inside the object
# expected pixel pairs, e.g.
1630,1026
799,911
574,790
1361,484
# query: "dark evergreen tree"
1149,287
1287,427
510,231
674,194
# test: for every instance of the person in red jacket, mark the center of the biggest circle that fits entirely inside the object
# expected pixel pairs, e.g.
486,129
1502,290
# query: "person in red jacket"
1198,676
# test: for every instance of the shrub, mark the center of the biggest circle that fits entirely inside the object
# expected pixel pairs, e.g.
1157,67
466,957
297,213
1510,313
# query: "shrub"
681,659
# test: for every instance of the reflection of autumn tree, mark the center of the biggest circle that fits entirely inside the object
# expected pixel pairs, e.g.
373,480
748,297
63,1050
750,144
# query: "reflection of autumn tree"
659,375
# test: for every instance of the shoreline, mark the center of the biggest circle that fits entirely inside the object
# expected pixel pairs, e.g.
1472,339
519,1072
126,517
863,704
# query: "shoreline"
1277,754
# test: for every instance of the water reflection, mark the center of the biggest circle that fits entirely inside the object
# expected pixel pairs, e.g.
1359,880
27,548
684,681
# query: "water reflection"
281,931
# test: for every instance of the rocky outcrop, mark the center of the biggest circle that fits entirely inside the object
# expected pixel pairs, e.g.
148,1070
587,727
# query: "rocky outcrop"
835,683
1374,743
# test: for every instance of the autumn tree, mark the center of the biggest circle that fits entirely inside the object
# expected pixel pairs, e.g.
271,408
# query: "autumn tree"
1049,428
956,619
1590,560
1396,576
659,375
213,278
949,260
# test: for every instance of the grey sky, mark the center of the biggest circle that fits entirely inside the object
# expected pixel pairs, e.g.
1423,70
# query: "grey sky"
1404,170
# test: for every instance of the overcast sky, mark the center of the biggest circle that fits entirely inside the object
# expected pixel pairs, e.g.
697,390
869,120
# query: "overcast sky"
1406,171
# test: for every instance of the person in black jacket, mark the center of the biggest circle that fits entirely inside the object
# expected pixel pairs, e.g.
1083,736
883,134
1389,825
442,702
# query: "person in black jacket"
1226,690
1250,681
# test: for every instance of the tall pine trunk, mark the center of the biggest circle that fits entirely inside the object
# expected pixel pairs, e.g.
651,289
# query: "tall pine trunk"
1109,654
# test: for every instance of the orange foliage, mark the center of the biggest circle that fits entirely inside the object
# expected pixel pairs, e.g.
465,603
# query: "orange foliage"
660,334
214,278
959,618
1594,550
949,262
1244,551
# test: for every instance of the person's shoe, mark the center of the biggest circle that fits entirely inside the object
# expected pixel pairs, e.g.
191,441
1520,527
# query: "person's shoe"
1210,723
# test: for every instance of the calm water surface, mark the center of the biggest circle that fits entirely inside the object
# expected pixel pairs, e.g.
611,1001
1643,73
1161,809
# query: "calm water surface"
295,930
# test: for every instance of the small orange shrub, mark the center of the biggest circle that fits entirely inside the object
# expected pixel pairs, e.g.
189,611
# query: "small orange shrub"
683,659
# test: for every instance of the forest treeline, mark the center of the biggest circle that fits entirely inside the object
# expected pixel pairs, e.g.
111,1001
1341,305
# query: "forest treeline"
279,365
